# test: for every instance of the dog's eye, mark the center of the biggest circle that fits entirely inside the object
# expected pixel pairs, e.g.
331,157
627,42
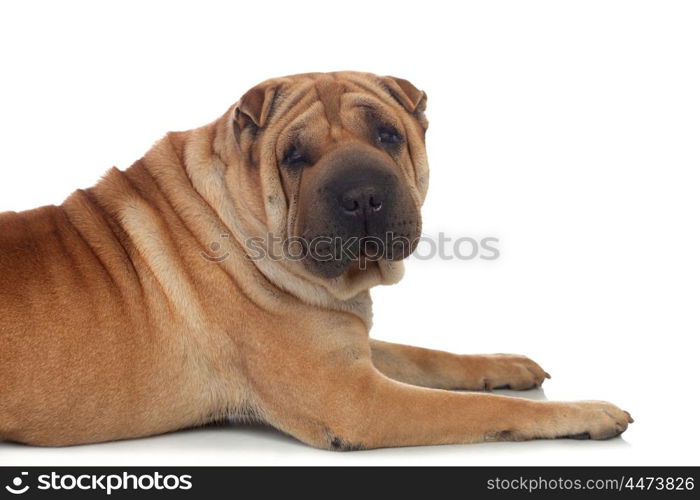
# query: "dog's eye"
293,157
388,135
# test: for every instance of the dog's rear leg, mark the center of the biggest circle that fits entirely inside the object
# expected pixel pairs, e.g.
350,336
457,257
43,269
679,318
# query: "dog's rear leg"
444,370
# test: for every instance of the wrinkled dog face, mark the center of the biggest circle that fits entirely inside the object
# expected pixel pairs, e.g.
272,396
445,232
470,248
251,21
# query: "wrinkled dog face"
348,149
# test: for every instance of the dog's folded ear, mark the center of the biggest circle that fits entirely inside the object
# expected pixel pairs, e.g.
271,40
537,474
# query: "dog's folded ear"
257,103
412,99
253,109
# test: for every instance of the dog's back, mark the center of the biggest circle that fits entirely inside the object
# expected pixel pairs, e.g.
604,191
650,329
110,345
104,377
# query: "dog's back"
89,344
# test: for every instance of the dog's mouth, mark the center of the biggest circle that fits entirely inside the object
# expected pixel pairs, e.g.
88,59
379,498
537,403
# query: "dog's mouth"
331,256
361,266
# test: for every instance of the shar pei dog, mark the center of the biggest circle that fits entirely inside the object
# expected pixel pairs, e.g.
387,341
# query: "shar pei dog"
227,273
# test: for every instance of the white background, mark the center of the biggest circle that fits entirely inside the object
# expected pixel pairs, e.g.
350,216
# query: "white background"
569,130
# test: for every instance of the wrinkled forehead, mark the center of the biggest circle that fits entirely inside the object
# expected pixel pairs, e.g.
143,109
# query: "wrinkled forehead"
330,103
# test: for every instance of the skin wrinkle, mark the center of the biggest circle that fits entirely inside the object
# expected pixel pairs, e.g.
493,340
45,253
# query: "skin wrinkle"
281,184
239,247
368,89
183,222
290,102
199,199
131,250
329,92
144,258
401,126
96,214
145,253
60,237
109,219
180,160
94,252
413,162
407,142
114,228
227,214
170,229
294,202
294,121
206,198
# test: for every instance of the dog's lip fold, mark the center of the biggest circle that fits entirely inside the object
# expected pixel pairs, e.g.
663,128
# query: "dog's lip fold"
364,264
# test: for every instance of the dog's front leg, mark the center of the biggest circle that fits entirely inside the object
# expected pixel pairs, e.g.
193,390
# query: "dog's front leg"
353,406
445,370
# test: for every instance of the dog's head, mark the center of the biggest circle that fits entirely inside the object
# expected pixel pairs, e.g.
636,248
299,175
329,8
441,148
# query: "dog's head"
338,166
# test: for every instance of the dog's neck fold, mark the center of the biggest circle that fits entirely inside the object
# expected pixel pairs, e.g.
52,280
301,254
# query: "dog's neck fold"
216,173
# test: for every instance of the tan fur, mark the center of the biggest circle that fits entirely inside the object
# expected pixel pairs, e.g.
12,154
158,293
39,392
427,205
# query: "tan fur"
113,325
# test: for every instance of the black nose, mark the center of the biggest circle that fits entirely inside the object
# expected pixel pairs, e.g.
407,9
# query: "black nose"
362,200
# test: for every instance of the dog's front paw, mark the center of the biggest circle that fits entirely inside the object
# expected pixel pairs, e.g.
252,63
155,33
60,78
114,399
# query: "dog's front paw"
558,419
511,371
592,420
